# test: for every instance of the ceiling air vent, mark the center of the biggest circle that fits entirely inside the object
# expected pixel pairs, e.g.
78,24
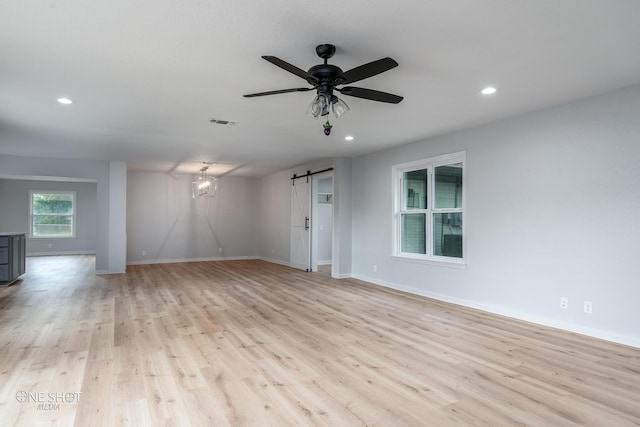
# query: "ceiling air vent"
223,122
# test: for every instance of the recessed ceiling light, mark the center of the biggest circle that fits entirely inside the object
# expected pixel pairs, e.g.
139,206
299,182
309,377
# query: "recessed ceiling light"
489,90
348,138
65,101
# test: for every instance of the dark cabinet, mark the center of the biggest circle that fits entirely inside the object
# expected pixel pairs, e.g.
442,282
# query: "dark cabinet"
12,257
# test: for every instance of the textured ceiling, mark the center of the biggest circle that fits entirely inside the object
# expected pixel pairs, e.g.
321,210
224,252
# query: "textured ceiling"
147,76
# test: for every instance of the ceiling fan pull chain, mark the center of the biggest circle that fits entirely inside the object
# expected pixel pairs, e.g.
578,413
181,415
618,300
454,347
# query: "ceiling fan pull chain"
327,128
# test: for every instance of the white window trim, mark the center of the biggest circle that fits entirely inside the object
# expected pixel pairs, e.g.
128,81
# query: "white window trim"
74,214
430,164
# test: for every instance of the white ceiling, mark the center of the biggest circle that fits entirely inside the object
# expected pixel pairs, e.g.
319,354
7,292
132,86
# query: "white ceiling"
147,75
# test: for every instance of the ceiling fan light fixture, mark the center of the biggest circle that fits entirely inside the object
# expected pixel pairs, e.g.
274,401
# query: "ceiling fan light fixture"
338,106
319,106
325,78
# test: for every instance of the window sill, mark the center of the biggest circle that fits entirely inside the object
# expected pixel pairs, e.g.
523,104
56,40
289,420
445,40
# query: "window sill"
461,264
50,237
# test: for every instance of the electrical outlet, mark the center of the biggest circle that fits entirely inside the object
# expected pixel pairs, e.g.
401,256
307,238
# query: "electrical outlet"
588,307
564,303
375,268
144,253
219,250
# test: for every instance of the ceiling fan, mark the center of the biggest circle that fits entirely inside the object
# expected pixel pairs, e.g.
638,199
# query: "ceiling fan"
325,79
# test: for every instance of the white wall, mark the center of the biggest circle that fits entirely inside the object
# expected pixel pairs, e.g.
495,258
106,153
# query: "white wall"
168,225
552,210
108,180
14,215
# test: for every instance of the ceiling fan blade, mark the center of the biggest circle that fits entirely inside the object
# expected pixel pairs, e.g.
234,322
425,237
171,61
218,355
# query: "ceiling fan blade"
291,68
373,95
276,92
365,71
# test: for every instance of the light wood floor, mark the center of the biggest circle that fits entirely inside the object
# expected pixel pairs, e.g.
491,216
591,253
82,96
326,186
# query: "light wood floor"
252,343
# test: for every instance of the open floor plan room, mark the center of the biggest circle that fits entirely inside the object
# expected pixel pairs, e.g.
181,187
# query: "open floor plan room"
275,213
255,343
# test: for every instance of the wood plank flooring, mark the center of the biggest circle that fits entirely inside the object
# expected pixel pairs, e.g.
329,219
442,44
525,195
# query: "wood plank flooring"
251,343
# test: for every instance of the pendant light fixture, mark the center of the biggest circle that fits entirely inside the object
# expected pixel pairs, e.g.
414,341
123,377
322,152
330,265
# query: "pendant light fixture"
205,187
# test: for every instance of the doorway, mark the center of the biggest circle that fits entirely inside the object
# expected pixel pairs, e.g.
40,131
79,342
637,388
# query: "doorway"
312,212
322,222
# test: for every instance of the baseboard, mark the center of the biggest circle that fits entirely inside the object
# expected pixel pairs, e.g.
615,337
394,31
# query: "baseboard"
180,260
591,332
109,272
328,262
274,261
35,254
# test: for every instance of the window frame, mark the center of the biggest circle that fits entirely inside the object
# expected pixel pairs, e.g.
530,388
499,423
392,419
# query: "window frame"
74,216
430,211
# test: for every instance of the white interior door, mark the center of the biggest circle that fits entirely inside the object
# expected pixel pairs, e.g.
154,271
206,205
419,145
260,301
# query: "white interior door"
300,256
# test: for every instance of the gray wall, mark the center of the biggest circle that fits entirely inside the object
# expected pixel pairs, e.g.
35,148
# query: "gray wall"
168,225
552,211
14,215
275,217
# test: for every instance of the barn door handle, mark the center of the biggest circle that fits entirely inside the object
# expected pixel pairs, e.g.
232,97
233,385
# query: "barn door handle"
306,222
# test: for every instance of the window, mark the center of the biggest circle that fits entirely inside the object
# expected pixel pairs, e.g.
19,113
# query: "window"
52,214
429,205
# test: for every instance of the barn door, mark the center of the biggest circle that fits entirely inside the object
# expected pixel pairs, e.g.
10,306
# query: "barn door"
300,256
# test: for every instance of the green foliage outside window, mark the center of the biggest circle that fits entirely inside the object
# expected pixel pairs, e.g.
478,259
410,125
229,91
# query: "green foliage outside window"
52,215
